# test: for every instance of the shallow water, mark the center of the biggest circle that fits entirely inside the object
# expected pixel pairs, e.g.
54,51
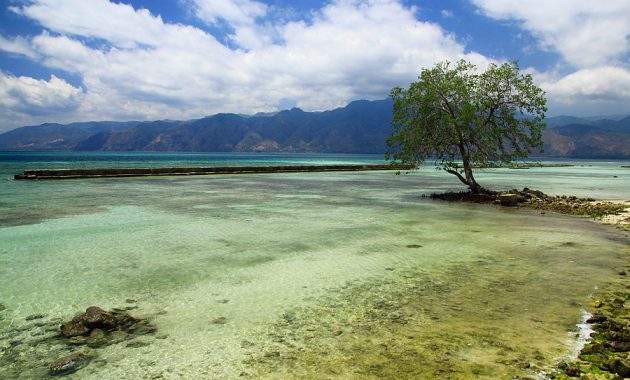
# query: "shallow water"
303,275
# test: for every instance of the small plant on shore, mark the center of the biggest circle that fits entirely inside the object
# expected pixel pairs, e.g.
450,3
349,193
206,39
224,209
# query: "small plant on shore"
454,113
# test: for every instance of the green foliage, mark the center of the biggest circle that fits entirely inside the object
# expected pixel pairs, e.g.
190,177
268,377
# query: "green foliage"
454,113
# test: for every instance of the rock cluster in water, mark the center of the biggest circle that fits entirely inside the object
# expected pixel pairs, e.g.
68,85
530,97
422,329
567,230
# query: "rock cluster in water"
538,200
97,328
42,346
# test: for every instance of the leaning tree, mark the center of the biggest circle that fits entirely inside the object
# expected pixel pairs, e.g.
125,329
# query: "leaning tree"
454,113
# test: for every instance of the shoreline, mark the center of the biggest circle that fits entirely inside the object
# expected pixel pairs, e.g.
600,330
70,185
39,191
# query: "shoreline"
605,353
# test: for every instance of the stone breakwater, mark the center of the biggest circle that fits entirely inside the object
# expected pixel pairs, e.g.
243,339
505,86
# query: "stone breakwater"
140,172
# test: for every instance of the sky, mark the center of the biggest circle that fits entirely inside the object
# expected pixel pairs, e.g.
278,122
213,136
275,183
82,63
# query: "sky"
78,60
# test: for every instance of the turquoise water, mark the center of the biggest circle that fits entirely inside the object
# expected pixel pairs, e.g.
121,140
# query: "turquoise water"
312,275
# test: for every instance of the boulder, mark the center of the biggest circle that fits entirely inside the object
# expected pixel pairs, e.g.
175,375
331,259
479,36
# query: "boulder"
508,199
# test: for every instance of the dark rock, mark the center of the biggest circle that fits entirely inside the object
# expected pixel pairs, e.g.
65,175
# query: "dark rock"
95,317
69,364
620,346
596,318
619,366
593,348
35,316
104,327
219,321
75,327
508,199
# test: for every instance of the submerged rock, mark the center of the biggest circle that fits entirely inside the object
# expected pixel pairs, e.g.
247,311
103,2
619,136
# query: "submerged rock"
97,318
97,338
71,363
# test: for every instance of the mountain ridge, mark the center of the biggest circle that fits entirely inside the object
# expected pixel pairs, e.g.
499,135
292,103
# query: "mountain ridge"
361,126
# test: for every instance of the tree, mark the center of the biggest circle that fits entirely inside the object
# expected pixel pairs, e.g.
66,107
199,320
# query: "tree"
455,113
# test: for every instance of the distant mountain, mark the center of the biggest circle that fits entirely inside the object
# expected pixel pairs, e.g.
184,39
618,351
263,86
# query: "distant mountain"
51,136
360,127
587,138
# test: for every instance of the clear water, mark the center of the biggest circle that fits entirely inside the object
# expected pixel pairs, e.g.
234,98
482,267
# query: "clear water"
316,275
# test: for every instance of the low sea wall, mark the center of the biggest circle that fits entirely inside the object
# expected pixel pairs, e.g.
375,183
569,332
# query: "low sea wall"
33,174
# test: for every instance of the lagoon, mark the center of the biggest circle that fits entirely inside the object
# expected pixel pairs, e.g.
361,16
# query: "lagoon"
300,275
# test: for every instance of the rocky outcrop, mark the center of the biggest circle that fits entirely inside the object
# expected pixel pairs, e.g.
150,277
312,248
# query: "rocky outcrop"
95,318
538,200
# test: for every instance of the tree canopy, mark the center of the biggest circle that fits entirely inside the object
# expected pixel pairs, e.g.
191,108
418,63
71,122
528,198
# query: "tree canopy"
453,112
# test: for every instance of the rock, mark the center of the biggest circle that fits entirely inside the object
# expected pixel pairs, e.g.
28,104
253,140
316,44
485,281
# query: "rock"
97,338
95,317
219,321
69,364
75,327
596,318
77,340
619,366
620,346
508,199
104,327
35,316
136,343
595,348
118,336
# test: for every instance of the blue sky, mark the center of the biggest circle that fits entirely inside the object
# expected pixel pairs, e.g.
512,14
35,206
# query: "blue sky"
75,60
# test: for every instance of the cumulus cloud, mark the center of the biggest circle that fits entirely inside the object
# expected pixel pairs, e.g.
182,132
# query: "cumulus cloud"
600,84
31,96
585,33
151,69
593,39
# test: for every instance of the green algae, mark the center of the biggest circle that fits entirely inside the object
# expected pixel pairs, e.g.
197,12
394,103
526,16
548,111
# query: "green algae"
471,321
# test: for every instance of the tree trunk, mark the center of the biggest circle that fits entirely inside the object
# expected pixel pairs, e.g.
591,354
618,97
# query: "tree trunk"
470,179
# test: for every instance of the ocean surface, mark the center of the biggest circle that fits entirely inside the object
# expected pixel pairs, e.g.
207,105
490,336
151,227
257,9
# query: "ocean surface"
299,275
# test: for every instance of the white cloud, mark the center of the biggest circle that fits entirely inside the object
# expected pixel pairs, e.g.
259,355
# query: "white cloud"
586,33
235,12
602,84
349,49
446,13
593,38
19,46
29,96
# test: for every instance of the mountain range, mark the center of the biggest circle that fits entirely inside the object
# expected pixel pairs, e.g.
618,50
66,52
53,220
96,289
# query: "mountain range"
360,127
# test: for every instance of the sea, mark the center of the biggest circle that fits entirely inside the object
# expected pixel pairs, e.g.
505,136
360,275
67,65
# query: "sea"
336,275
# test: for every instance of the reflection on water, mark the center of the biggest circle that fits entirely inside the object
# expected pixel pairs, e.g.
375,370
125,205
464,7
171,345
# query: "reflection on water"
316,275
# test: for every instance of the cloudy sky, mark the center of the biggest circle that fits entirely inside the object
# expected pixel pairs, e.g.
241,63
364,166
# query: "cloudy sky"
75,60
